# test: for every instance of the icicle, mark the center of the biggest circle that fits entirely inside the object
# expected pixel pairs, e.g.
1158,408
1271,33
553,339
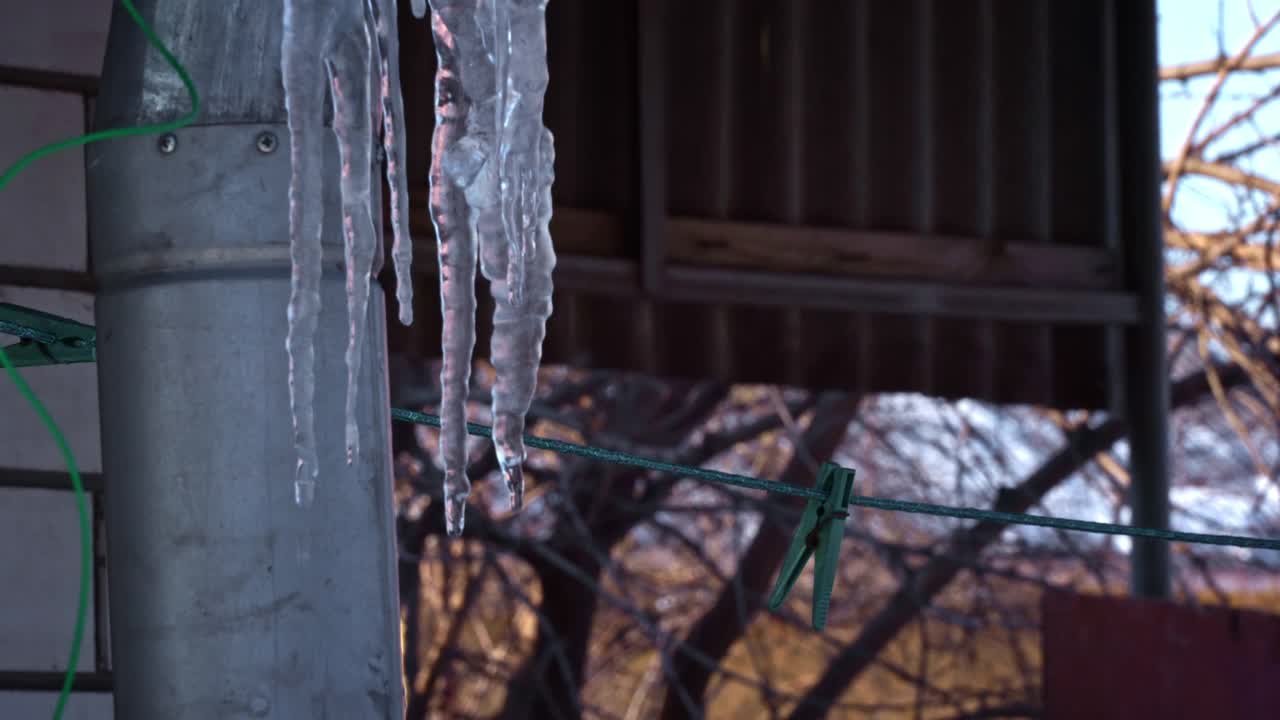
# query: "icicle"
384,14
490,143
339,38
526,173
509,115
453,29
349,73
304,100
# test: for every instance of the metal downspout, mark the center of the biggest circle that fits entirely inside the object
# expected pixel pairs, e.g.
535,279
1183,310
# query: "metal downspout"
226,600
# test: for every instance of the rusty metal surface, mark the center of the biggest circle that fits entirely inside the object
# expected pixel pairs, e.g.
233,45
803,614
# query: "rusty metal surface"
1117,657
988,121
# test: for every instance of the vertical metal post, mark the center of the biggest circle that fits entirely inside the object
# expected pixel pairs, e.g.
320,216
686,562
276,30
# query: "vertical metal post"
227,600
1147,386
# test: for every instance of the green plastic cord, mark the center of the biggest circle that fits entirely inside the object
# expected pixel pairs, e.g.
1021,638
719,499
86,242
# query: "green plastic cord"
119,132
86,546
621,458
907,506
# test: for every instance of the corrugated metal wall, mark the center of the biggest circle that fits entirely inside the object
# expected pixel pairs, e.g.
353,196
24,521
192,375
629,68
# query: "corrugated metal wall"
990,122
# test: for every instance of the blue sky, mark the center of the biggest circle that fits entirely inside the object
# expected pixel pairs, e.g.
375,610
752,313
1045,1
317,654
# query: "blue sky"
1193,30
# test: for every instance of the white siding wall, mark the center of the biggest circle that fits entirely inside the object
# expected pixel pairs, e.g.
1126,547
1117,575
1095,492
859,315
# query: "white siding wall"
42,225
66,36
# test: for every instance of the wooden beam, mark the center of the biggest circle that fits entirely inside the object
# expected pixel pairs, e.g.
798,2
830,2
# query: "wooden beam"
855,253
849,270
835,252
621,278
901,297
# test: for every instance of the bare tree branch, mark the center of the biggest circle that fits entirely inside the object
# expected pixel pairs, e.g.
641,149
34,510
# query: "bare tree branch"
915,594
1186,71
722,624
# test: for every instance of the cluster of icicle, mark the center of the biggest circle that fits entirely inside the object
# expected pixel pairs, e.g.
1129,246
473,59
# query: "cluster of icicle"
491,176
345,41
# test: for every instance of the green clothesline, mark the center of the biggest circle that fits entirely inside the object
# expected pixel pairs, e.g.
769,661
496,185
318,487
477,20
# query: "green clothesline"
723,478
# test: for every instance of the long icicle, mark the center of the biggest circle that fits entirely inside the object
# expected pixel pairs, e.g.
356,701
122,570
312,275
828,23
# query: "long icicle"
522,296
452,26
304,102
349,74
394,144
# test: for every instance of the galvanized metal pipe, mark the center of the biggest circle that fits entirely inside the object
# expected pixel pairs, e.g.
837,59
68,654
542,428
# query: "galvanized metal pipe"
228,601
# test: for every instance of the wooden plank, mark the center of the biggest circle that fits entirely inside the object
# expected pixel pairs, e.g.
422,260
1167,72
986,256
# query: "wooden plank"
948,281
960,260
621,278
900,297
822,251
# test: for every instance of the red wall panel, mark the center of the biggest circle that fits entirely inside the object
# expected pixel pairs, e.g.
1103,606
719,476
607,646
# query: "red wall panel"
1119,657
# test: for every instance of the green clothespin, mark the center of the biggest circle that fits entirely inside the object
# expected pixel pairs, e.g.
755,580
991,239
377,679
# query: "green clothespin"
820,532
46,339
